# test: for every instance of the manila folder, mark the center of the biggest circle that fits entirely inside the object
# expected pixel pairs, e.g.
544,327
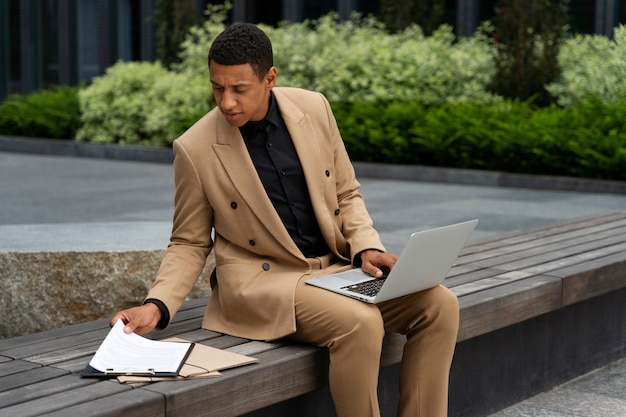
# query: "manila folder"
203,362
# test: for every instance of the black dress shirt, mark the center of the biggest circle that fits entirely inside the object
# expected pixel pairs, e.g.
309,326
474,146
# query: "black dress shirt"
278,166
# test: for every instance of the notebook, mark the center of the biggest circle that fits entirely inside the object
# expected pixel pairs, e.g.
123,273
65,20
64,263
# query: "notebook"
424,263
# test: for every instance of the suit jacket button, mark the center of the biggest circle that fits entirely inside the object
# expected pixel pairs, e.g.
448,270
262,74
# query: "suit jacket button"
336,212
327,173
233,205
266,266
252,242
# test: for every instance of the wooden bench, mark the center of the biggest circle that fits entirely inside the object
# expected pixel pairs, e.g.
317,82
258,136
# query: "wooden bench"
503,281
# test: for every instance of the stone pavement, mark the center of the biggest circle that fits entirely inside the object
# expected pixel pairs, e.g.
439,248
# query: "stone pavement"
65,203
57,203
600,393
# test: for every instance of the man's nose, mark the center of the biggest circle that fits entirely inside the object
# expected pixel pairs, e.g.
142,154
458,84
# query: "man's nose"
228,100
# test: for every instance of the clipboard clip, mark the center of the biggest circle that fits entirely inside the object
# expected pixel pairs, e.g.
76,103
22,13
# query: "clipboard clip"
111,371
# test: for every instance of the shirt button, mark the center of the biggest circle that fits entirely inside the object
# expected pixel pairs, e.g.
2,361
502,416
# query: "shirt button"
233,205
283,173
266,266
252,242
336,212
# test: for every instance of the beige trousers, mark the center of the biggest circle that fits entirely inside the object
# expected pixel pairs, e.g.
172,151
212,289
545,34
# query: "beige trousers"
353,332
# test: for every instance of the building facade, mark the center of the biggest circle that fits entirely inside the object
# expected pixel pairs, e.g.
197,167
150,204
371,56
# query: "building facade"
65,42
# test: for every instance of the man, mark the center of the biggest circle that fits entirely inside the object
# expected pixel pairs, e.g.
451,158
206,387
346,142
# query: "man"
265,181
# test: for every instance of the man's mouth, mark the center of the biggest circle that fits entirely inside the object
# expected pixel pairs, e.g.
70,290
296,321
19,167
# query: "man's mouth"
231,116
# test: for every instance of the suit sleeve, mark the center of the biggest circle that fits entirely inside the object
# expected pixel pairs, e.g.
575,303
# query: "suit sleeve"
190,241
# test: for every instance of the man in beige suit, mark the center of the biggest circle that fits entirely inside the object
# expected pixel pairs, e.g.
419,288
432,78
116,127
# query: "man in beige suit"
264,180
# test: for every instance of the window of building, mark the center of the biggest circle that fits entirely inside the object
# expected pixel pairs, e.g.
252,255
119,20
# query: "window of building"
48,42
12,38
486,10
269,12
88,39
582,15
313,9
128,30
366,7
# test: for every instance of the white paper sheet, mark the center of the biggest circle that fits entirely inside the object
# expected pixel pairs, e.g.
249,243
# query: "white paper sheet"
133,354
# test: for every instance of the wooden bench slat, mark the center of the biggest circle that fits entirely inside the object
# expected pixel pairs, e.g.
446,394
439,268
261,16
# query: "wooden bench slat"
593,278
519,236
498,307
63,399
29,377
569,258
138,403
14,367
61,342
537,263
41,389
533,266
14,343
571,242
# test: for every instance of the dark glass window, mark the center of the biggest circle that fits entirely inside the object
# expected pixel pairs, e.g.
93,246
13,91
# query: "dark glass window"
49,42
14,39
582,15
87,41
366,7
269,12
129,30
486,10
313,9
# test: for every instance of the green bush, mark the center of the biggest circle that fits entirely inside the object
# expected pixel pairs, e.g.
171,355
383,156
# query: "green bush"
585,141
358,60
50,113
593,68
141,103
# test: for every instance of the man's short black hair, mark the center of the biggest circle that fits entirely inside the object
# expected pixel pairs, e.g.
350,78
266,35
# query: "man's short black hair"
243,43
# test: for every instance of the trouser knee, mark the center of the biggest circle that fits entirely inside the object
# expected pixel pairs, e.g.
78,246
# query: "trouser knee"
365,333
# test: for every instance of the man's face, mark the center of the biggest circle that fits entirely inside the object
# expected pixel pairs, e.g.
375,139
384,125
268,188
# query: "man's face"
239,93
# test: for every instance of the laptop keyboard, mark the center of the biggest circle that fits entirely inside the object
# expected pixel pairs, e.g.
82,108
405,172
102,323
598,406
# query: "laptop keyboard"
369,288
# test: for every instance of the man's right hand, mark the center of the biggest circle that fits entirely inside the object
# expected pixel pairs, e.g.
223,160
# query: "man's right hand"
141,320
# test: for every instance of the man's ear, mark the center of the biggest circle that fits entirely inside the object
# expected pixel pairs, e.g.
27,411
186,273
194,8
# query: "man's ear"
270,78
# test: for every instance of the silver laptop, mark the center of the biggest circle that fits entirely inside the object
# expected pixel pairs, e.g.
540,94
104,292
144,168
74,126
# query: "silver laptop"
424,263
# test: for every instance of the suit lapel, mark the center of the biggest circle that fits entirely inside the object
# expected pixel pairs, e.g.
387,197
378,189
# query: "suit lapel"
234,157
307,145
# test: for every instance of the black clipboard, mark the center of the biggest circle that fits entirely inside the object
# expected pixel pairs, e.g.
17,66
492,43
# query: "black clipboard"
91,372
126,354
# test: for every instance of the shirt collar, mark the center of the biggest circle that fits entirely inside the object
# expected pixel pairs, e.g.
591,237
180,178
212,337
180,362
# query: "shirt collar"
250,129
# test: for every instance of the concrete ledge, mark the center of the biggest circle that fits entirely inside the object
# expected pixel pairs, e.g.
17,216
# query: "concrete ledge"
487,178
363,169
51,289
88,150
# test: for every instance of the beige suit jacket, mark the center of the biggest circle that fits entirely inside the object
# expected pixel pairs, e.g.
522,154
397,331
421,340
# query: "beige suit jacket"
221,205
